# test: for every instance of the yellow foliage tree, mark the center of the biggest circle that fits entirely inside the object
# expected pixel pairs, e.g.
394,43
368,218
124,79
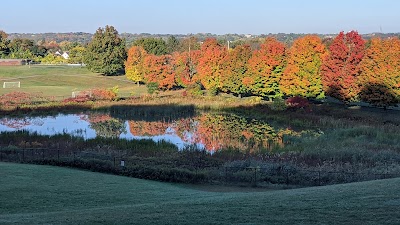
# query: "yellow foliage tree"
134,64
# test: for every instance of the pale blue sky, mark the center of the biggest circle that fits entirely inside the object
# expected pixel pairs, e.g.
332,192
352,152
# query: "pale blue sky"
206,16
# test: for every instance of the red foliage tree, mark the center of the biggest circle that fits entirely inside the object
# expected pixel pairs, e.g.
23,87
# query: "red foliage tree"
158,69
185,64
340,68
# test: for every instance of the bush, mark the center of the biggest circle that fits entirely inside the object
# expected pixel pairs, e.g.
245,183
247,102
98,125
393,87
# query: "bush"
213,91
195,89
104,94
152,87
297,102
278,104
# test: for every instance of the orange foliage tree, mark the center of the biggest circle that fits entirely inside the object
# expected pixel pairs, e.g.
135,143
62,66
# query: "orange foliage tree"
380,69
340,68
158,69
134,64
235,68
185,64
266,67
210,66
302,76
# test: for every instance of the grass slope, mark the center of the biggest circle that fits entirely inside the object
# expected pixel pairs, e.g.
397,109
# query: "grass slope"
32,194
62,80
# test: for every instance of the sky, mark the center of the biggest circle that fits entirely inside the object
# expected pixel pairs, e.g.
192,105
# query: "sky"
201,16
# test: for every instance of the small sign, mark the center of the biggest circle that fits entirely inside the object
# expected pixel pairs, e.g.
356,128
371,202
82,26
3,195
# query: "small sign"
122,163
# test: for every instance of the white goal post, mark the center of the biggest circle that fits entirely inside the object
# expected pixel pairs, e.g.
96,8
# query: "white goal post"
76,94
16,84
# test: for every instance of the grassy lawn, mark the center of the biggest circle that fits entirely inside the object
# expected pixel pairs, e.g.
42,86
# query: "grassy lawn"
32,194
60,81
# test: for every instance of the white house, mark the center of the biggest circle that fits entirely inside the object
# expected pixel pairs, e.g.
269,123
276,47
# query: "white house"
65,55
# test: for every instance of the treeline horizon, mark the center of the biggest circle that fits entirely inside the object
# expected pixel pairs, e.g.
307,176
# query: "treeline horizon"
346,67
85,37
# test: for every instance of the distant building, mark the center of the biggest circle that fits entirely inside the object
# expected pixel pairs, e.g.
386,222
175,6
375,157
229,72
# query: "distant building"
65,55
12,62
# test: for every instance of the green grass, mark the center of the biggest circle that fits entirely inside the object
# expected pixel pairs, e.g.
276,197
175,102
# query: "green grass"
61,81
32,194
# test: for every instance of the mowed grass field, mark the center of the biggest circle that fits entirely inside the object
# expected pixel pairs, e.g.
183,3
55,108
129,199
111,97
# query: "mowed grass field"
61,81
33,194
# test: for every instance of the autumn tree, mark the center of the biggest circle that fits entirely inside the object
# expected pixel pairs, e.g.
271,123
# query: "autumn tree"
340,69
185,64
210,66
380,69
235,68
302,76
106,52
134,64
158,69
266,68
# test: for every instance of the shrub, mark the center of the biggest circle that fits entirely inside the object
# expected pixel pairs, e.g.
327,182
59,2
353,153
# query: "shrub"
195,89
278,104
104,94
152,87
19,98
297,102
213,91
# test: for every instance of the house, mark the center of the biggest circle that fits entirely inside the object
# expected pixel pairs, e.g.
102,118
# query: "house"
12,62
65,55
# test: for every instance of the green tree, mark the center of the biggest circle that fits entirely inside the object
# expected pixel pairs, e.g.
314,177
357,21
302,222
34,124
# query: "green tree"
189,44
21,48
172,44
4,50
155,46
106,52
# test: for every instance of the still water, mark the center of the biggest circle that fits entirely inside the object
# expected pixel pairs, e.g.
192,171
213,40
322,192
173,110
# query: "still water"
210,131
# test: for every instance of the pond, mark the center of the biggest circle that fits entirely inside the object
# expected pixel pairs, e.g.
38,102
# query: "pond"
210,131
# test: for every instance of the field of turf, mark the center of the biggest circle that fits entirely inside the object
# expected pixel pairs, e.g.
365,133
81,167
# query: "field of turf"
32,194
61,81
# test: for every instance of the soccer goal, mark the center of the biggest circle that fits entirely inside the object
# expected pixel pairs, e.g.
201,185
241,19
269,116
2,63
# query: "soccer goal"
76,94
16,84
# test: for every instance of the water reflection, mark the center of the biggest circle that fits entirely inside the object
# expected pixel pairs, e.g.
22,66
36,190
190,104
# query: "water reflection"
212,131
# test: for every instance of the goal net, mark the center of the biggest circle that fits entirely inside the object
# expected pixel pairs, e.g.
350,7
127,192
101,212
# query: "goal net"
16,84
76,94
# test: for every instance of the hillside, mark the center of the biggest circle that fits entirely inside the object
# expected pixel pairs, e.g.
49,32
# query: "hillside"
84,38
32,194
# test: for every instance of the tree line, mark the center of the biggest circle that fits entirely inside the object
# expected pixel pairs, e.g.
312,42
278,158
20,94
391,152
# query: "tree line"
346,67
